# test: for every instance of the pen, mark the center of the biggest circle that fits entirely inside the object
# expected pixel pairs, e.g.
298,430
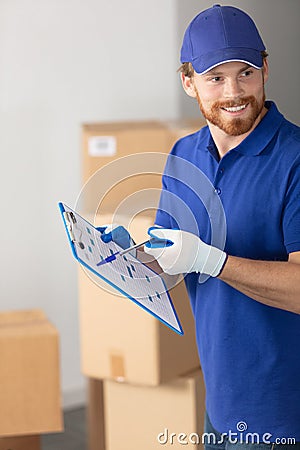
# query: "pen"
155,242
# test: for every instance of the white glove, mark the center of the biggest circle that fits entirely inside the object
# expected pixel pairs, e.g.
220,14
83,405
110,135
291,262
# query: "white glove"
187,254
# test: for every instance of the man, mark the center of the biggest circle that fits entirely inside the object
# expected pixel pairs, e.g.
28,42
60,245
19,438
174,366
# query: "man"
247,308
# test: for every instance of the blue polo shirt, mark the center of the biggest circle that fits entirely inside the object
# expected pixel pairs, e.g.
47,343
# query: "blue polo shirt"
249,352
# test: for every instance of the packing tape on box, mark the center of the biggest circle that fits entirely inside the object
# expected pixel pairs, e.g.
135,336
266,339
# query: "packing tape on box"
117,367
22,317
21,325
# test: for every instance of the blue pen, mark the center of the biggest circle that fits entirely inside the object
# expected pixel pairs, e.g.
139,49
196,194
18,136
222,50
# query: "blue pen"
154,242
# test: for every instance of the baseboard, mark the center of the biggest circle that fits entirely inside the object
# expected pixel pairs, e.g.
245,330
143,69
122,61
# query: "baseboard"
74,398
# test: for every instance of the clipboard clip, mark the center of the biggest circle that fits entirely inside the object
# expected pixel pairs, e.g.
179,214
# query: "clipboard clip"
71,221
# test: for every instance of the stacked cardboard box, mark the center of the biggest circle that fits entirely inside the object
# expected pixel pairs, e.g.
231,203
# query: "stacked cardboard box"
119,340
21,443
170,415
123,158
30,402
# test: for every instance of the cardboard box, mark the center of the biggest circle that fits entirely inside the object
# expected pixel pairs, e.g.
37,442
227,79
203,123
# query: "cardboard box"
180,128
120,340
114,162
167,416
95,415
30,400
20,443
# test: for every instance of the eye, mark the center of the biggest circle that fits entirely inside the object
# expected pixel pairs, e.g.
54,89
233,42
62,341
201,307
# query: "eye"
215,79
247,73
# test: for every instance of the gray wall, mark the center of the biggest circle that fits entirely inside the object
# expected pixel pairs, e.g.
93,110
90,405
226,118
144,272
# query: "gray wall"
278,22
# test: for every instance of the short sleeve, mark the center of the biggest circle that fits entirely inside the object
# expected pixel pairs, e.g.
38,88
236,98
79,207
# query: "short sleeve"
163,218
291,212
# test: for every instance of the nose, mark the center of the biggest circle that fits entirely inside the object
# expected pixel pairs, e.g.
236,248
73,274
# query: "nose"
232,88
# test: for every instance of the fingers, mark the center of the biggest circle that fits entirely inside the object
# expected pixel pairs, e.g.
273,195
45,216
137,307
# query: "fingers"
101,229
111,227
177,257
159,241
116,233
161,237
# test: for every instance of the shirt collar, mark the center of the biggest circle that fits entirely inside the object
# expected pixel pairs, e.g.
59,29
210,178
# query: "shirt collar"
259,138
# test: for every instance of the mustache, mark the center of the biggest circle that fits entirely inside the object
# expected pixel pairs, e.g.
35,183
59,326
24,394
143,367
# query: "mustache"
233,103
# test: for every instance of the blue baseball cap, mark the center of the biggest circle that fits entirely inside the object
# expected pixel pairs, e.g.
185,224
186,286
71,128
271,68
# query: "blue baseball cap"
221,34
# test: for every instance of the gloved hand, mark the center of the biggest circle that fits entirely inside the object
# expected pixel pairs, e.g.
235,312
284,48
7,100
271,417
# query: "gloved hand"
187,254
116,233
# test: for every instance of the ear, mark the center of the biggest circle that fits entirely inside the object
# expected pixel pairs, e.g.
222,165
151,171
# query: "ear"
265,70
188,85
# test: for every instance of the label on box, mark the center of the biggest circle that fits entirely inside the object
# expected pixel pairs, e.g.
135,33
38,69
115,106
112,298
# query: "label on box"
102,146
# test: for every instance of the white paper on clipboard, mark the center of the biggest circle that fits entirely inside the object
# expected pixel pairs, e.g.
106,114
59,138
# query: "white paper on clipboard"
126,273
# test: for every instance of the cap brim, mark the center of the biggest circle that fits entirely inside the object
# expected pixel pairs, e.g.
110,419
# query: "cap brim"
207,62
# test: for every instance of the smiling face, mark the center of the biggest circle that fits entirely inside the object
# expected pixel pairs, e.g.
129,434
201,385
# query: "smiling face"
231,96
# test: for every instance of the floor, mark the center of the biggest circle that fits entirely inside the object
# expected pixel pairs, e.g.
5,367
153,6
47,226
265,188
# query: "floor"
74,436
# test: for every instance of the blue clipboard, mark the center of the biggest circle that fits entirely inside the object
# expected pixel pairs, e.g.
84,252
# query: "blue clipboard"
126,274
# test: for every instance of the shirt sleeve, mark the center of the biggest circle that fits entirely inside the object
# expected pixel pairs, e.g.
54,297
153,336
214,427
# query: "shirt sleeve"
162,218
291,212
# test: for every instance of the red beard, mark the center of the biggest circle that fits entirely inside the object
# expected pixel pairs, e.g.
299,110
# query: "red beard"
235,126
